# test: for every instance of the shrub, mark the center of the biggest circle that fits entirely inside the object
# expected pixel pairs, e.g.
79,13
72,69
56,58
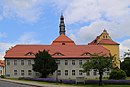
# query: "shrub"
2,76
117,74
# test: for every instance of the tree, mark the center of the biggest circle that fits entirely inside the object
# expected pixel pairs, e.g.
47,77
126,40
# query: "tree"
127,54
44,63
125,65
117,74
98,62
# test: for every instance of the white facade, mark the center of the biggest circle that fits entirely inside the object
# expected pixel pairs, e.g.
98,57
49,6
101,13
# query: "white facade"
67,69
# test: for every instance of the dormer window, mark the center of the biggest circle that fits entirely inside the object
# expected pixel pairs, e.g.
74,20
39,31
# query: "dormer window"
86,54
63,43
57,54
30,54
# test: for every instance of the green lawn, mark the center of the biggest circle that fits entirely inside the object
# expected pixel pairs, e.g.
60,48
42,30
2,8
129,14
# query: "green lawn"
107,86
81,85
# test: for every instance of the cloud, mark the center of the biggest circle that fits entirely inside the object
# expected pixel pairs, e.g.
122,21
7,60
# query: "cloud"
28,38
3,48
23,10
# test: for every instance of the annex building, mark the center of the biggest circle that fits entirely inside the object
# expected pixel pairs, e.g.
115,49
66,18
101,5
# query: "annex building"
69,56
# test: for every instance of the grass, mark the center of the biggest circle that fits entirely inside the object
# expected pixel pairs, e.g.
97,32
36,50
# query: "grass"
78,85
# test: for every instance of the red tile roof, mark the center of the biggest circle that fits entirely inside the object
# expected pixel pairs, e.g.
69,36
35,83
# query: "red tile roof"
63,40
2,63
108,41
67,51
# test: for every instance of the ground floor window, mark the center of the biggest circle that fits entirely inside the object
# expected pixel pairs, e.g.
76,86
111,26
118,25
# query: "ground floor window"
66,72
73,72
15,72
58,72
22,72
29,72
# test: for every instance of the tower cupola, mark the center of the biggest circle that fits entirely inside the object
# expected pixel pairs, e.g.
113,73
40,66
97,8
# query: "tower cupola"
62,25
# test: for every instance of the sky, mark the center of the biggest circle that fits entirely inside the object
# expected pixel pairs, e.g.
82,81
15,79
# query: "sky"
37,21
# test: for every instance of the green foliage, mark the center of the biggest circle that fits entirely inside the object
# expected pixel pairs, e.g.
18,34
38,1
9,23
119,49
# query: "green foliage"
125,65
2,76
99,62
117,74
44,63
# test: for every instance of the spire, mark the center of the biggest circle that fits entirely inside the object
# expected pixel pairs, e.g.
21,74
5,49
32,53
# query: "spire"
62,25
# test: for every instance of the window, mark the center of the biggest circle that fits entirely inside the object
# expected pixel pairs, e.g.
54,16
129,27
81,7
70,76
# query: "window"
0,72
87,60
22,72
29,72
29,62
15,62
88,73
63,43
22,62
95,72
15,72
58,72
73,72
66,62
73,62
80,62
80,72
66,72
58,62
8,62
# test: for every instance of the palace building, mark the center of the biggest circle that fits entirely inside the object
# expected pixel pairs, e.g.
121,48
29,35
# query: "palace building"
69,56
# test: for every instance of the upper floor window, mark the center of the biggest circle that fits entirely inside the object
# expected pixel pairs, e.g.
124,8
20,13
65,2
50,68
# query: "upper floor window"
8,62
66,62
29,62
80,62
22,62
58,62
15,62
73,62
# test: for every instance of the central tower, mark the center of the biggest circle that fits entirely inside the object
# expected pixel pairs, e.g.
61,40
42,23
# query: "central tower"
62,25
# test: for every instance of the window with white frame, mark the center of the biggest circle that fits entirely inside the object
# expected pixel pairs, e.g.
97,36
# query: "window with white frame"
29,72
73,62
29,62
22,62
88,73
66,72
22,72
80,62
73,72
94,72
58,62
15,62
15,72
59,72
80,72
66,62
8,62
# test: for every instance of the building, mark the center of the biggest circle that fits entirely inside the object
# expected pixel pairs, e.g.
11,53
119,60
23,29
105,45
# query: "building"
69,56
2,67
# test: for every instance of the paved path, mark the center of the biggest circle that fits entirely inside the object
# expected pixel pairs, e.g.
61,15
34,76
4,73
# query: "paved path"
35,84
10,84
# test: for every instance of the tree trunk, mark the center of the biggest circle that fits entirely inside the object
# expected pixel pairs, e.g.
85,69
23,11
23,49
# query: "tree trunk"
100,78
